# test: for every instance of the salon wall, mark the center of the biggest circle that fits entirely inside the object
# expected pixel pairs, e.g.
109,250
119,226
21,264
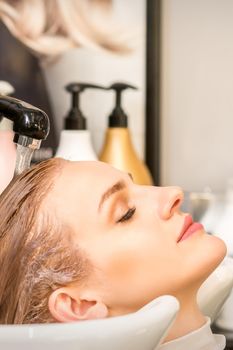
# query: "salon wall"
197,93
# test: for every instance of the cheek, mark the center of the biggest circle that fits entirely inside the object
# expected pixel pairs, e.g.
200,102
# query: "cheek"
122,256
136,267
122,267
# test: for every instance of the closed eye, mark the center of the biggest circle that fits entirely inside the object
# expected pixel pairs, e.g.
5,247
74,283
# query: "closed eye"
128,215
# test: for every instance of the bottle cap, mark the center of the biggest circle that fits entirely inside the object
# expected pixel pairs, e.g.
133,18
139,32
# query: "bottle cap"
118,117
75,119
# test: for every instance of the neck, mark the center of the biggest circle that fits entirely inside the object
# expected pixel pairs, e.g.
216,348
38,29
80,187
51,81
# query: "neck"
189,317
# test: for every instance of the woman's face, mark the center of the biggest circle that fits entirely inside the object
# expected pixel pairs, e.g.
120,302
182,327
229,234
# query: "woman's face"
130,233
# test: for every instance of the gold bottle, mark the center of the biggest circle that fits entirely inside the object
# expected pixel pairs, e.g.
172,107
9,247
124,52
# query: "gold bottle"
118,149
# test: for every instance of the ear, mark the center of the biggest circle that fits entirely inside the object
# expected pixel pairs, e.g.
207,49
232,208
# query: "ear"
66,306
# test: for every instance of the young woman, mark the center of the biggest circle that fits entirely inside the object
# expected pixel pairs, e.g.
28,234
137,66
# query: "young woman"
80,240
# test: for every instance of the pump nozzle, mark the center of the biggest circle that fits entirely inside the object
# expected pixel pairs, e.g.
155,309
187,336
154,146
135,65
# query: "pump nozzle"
118,118
75,119
30,124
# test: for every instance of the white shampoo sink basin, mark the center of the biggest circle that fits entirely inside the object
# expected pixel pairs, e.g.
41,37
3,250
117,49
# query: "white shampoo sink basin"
142,330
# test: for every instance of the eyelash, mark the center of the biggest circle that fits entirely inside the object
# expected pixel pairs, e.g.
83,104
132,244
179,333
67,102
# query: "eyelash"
128,215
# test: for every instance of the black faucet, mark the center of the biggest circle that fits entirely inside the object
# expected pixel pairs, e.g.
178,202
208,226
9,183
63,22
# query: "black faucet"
30,124
27,120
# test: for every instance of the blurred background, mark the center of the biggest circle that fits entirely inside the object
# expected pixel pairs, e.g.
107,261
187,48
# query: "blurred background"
106,47
179,55
196,89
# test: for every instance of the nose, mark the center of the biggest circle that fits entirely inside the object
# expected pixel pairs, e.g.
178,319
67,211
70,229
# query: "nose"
170,200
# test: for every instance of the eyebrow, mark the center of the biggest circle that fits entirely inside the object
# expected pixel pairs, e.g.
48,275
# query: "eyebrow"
118,186
131,176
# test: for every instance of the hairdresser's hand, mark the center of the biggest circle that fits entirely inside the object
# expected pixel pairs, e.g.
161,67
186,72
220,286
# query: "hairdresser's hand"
7,158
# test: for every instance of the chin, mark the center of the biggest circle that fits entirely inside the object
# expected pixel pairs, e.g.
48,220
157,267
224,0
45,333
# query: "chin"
207,252
213,252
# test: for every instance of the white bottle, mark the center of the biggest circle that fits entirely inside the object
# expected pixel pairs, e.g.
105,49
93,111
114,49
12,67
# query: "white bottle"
76,145
75,141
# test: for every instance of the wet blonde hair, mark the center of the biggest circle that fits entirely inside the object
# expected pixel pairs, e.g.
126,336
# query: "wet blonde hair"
37,253
50,27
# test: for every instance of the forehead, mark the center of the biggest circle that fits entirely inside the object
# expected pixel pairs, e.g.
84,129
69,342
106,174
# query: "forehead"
94,172
78,188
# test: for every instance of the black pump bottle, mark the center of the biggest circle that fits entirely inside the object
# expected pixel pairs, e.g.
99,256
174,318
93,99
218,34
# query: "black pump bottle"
75,142
118,149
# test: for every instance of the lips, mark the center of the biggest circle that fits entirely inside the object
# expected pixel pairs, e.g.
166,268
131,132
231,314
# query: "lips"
189,228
